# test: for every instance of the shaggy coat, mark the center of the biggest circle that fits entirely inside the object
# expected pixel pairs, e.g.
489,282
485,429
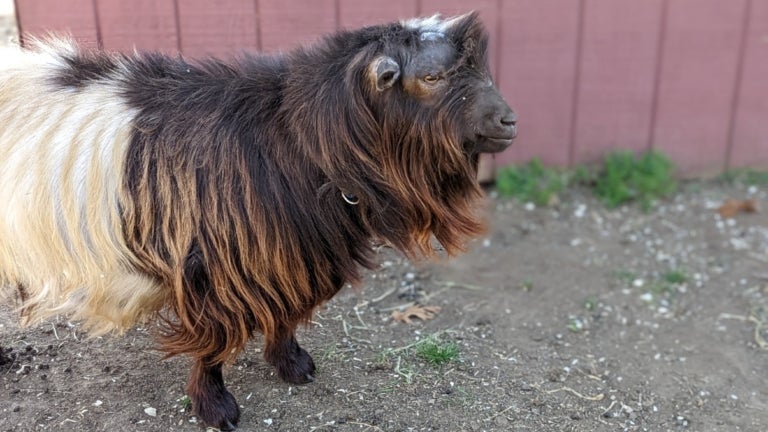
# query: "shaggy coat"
233,198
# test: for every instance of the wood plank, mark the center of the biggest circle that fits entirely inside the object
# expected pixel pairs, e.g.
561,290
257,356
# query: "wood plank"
359,13
698,71
287,24
217,27
138,24
74,17
538,58
750,138
616,81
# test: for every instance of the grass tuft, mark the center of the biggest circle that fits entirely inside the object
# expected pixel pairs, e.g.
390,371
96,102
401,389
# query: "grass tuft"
626,177
531,182
437,352
675,277
623,178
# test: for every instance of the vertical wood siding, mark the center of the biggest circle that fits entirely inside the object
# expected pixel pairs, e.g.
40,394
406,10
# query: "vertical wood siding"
687,77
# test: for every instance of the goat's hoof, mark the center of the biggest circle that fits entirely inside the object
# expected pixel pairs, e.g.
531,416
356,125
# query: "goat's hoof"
221,412
299,368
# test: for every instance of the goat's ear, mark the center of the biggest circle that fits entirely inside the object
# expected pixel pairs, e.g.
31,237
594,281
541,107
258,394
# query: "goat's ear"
467,27
385,71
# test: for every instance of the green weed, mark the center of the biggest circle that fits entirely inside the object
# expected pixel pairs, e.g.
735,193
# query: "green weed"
625,276
436,352
675,277
531,182
590,303
185,403
626,177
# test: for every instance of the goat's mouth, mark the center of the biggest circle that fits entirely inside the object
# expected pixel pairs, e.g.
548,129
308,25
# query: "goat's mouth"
495,144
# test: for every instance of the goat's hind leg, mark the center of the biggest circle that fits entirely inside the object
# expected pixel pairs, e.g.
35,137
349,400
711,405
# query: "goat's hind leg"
210,399
292,362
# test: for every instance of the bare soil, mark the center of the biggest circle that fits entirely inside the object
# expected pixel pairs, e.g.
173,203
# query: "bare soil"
564,318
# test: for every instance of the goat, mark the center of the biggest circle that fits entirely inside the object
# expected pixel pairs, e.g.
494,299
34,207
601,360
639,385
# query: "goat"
232,198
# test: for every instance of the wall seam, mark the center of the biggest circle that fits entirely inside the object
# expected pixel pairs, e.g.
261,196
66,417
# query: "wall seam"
497,53
177,24
660,45
257,7
576,83
736,97
17,17
97,23
337,14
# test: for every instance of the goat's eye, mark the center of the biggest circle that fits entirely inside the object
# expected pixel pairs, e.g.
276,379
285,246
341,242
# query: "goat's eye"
431,79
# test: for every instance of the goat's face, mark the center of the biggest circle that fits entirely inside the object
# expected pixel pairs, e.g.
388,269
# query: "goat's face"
442,67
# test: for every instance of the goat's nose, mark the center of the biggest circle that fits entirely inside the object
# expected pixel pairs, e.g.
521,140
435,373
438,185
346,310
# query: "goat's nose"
510,119
508,123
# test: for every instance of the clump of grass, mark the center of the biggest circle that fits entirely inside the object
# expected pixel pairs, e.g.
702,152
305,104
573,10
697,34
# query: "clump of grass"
625,276
185,403
626,177
436,352
576,324
675,277
531,182
590,303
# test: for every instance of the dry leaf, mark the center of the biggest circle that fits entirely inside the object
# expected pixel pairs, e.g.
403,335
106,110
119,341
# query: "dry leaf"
732,207
423,313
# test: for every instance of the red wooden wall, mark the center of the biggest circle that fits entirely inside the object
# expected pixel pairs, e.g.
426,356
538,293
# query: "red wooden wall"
688,77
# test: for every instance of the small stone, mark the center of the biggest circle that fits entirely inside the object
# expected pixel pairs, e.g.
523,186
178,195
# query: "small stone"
152,412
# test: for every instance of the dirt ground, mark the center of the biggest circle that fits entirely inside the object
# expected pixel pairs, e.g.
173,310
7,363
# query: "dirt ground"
567,319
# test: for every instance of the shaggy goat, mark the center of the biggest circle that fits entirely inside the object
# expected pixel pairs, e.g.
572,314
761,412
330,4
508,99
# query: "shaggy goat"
233,198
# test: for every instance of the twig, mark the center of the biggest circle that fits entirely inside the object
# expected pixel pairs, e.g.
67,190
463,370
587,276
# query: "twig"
609,408
759,340
407,375
446,286
398,307
346,328
381,297
452,284
597,397
359,318
499,413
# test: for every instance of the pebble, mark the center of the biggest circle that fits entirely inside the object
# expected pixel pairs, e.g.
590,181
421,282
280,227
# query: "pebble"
152,412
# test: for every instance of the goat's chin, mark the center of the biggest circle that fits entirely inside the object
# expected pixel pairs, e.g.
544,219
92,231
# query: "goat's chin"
484,144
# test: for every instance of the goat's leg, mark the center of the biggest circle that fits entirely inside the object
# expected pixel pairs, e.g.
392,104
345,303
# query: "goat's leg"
293,363
210,398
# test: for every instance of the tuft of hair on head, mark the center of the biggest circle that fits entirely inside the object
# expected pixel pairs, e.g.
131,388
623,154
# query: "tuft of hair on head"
434,25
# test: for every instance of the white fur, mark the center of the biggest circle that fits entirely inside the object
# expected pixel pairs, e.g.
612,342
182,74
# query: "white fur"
435,24
62,156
